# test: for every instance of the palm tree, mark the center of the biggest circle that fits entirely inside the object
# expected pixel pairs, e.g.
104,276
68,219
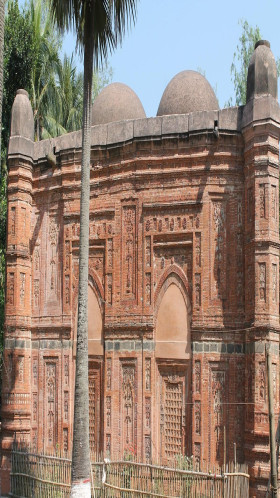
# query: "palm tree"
100,25
64,111
46,61
70,94
3,202
2,24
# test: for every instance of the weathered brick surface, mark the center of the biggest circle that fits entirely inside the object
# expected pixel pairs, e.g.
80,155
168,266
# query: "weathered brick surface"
177,209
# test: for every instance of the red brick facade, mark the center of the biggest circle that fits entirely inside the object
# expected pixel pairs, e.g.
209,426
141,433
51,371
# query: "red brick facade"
183,285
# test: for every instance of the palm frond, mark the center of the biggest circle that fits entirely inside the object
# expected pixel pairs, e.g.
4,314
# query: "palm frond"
124,13
51,128
99,22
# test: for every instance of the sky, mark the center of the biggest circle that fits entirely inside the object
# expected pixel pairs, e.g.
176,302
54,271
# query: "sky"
173,35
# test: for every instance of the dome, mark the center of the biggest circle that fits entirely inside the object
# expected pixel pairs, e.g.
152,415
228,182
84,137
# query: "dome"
262,72
22,121
116,102
187,92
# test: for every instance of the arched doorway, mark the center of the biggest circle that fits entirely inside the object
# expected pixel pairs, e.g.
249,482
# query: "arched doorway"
173,356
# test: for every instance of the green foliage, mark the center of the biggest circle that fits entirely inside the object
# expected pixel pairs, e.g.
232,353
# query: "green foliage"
241,58
65,108
45,62
99,25
19,51
183,462
31,61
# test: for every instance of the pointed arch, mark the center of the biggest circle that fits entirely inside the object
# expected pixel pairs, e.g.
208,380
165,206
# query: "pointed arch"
179,274
173,316
95,281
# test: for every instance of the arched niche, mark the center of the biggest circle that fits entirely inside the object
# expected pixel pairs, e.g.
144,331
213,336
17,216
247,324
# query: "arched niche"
173,335
95,324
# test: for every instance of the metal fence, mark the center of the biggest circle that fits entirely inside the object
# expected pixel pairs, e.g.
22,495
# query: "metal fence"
37,475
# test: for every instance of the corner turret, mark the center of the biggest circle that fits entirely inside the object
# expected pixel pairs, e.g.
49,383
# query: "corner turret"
22,126
262,72
22,121
261,132
18,309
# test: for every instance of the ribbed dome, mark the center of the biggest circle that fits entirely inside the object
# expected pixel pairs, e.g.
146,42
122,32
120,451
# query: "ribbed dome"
187,92
116,102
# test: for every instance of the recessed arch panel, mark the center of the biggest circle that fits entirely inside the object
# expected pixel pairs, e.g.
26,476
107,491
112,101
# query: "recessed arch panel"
173,337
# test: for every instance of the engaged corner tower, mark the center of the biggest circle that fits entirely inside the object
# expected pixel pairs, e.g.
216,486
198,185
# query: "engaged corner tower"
261,128
16,385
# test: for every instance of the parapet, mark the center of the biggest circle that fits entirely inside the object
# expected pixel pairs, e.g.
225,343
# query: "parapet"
161,127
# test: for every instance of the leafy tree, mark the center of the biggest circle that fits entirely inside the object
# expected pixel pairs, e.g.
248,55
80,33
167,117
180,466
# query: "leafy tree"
241,58
66,99
31,61
56,87
99,25
19,51
47,44
64,112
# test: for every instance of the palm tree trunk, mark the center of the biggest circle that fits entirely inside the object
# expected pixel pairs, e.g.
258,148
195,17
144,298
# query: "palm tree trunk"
81,456
37,127
2,25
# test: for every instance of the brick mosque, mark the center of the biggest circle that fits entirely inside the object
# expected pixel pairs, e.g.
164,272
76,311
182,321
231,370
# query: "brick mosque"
183,275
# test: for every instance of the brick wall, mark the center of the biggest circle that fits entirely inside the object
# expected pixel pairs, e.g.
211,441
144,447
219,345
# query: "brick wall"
175,208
